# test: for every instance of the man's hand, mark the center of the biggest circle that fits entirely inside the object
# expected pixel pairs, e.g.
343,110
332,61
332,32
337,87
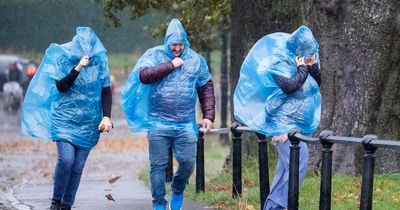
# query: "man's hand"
177,61
311,60
300,61
82,63
105,124
207,125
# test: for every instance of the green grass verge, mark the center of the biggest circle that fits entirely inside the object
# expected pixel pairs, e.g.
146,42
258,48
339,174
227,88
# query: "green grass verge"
345,189
122,61
116,61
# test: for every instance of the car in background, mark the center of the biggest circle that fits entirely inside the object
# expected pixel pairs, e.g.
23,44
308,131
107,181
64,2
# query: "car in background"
25,67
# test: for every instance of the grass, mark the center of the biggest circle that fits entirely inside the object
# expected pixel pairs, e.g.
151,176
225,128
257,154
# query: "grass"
346,190
121,64
122,61
218,193
116,61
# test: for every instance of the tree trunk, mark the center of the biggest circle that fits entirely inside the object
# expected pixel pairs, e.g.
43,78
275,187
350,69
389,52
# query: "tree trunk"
360,73
224,138
250,22
208,59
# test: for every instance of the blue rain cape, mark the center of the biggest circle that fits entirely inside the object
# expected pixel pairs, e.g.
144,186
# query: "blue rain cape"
168,104
73,115
259,102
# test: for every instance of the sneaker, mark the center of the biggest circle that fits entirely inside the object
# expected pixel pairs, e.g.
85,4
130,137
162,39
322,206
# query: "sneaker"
65,207
176,202
55,205
159,207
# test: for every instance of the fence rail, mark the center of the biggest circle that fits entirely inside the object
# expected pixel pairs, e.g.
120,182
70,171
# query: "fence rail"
370,144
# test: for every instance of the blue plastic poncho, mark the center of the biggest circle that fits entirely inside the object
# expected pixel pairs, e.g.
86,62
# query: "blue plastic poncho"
260,103
73,115
169,103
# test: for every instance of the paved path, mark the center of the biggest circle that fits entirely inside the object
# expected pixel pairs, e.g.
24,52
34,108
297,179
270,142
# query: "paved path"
27,168
30,168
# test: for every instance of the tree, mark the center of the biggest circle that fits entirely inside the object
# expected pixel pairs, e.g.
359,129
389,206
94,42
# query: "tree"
360,47
224,79
24,30
198,17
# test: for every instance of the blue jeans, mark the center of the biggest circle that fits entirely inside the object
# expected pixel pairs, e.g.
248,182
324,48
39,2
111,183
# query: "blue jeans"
67,176
184,147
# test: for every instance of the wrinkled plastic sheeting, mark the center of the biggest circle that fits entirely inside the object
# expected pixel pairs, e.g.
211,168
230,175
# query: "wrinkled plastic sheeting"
259,102
168,104
73,115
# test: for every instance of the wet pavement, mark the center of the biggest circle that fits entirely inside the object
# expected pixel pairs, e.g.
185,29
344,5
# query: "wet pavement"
27,168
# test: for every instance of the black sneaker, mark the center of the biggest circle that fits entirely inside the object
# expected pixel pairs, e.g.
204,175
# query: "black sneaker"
65,207
55,205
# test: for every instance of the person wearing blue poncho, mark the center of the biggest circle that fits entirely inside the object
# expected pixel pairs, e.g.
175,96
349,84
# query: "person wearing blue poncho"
160,97
69,101
278,90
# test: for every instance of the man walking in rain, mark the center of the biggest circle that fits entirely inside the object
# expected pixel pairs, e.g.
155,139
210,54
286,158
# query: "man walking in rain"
160,97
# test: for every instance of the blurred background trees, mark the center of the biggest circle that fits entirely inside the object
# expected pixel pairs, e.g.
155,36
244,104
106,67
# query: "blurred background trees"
30,25
359,43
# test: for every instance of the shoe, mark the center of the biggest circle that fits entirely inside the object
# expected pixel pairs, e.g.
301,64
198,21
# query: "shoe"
55,205
159,207
65,207
176,202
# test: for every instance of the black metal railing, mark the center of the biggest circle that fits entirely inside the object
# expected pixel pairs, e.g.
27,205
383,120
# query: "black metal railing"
370,144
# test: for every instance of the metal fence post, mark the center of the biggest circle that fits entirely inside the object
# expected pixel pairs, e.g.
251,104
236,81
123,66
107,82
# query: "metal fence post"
170,168
236,161
326,171
368,172
200,180
293,194
263,168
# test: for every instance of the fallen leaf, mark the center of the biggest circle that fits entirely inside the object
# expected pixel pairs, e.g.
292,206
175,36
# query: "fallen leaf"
112,179
46,174
109,197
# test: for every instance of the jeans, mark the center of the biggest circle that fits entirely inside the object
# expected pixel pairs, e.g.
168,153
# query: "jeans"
184,147
67,176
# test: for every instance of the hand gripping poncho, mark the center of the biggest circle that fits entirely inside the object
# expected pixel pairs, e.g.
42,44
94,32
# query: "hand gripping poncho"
169,103
73,115
259,102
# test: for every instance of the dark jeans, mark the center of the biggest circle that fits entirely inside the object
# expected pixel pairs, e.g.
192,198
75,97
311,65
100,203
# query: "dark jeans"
67,176
184,147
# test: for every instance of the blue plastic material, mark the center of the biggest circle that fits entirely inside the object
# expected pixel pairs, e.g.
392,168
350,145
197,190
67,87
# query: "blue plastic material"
73,115
259,102
168,104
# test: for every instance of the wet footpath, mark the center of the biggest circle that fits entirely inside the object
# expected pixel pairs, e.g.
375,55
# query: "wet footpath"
110,179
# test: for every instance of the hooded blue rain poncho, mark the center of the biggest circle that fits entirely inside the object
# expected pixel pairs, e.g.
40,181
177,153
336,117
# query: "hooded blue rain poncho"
73,115
169,103
260,103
